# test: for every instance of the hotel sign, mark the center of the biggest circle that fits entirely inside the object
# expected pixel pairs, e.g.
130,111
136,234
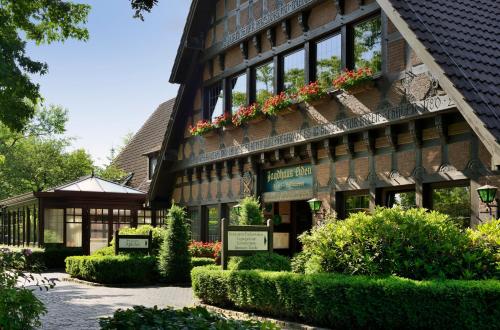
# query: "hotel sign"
390,115
135,243
288,183
247,240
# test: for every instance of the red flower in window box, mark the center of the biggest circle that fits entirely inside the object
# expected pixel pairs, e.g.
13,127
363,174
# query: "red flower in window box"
278,103
201,127
246,114
310,92
222,120
349,80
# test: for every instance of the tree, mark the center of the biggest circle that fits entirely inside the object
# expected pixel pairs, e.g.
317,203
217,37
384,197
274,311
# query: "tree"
174,263
41,21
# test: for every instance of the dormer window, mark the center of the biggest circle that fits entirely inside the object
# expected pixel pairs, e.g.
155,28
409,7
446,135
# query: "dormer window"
152,161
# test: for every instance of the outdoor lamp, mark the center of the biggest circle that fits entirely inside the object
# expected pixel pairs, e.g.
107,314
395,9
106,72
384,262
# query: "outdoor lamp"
315,204
487,195
237,209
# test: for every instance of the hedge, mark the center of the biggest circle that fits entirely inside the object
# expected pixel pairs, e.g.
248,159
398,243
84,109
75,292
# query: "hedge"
52,256
197,262
121,269
343,301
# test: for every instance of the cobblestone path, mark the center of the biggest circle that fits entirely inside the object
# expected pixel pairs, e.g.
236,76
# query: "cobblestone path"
75,306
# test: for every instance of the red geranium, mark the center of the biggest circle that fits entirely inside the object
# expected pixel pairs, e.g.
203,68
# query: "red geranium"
310,92
247,113
201,127
352,78
222,120
277,103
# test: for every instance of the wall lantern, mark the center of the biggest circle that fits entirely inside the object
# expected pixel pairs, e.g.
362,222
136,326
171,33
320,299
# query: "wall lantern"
487,194
237,209
315,204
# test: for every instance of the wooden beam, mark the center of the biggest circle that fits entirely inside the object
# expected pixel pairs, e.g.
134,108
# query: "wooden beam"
329,146
271,37
303,19
349,144
391,136
256,41
340,6
312,152
415,130
287,28
369,141
244,49
441,128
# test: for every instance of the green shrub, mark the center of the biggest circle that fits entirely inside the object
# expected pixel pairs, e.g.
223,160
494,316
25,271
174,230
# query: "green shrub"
264,261
354,302
198,262
409,243
121,269
140,317
52,256
298,262
250,212
174,261
105,251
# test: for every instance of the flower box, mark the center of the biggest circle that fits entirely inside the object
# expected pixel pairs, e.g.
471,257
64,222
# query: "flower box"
354,81
229,127
278,104
246,114
288,110
256,120
211,133
362,87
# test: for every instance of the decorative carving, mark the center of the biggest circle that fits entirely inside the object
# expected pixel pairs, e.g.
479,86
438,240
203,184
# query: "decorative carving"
352,180
304,20
475,166
330,148
369,140
247,181
406,83
391,137
340,6
349,144
312,152
257,43
418,173
287,28
244,49
441,128
271,36
394,174
278,155
446,168
228,165
416,132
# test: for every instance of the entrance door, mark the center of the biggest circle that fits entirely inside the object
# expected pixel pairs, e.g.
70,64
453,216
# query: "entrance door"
302,221
99,229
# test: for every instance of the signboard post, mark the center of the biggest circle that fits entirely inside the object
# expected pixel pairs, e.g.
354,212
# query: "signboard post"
133,243
245,240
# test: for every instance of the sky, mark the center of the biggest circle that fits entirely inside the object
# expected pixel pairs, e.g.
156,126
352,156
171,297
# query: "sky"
113,82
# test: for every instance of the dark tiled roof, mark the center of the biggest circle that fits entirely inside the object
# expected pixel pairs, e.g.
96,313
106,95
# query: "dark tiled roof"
148,139
463,36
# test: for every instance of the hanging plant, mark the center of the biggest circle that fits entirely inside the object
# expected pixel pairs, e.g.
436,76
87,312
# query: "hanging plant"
246,114
350,79
277,103
201,127
310,92
222,120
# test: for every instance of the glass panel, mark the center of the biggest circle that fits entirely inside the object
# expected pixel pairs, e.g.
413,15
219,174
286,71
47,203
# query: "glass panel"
152,165
54,226
293,65
98,236
215,99
264,82
239,92
354,204
213,224
73,234
328,59
368,44
404,199
160,217
194,217
455,202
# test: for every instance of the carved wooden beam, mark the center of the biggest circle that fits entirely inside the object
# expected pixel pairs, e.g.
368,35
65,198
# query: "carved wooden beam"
257,43
222,61
312,152
271,36
369,140
349,144
340,5
441,128
228,166
392,138
244,49
292,153
416,132
287,28
278,155
304,20
329,146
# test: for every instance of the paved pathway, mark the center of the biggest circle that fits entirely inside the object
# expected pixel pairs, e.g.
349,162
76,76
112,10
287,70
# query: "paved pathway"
75,306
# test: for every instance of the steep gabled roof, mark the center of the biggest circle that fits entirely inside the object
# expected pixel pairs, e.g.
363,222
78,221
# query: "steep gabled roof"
132,159
460,42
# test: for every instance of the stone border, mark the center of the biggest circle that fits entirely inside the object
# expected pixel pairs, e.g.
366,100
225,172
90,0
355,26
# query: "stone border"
250,316
128,285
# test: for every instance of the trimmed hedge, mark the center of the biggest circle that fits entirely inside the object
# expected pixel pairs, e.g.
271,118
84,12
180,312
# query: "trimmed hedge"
263,260
198,262
50,257
342,301
121,269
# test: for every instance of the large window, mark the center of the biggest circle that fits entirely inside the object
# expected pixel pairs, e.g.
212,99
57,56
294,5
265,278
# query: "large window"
161,216
455,202
293,70
73,227
54,226
99,229
195,221
404,199
121,219
264,78
356,203
215,100
368,44
213,223
143,217
328,59
238,92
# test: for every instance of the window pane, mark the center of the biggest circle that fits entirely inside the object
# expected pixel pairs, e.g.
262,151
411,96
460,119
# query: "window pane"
354,204
215,99
328,59
239,92
98,236
194,217
54,226
455,202
213,224
404,199
152,165
73,234
294,77
368,44
264,81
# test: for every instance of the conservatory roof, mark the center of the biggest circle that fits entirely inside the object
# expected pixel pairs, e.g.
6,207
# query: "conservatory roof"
95,184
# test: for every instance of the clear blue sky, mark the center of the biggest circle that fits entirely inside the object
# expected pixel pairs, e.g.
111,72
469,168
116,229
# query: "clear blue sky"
113,82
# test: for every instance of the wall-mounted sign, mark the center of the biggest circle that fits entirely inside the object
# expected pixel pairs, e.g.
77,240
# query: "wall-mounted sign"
281,240
247,240
133,242
288,178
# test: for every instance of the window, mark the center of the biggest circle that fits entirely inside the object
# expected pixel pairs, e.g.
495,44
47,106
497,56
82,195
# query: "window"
54,226
213,223
356,203
121,219
455,202
293,70
368,44
238,92
214,101
264,78
152,161
99,229
195,220
73,227
405,199
328,59
161,217
143,217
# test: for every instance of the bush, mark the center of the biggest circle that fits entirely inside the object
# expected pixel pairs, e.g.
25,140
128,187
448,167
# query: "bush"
354,302
121,269
105,251
52,256
250,212
409,243
174,261
140,317
197,262
205,249
264,261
